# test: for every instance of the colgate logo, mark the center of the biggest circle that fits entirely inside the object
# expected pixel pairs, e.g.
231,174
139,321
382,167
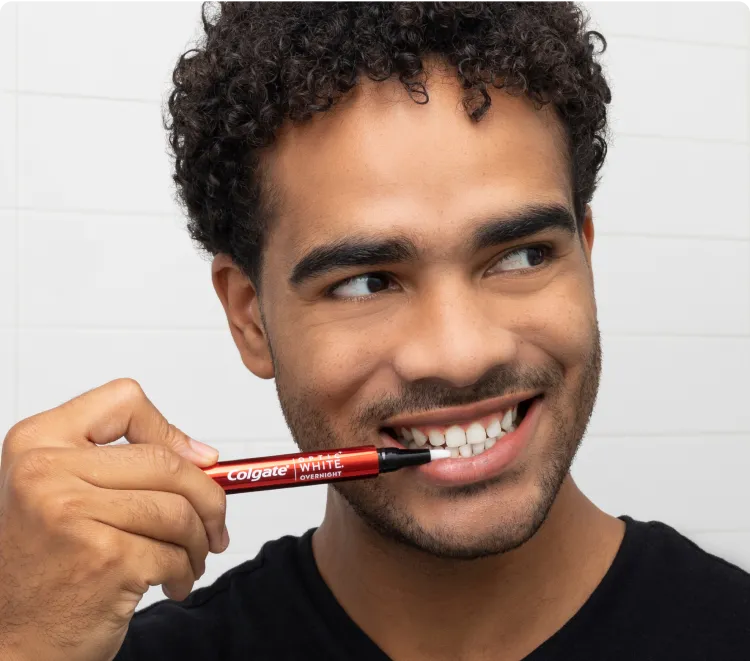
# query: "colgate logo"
257,474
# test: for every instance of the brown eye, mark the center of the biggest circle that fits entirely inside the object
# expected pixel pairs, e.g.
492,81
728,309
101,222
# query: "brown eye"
362,286
523,258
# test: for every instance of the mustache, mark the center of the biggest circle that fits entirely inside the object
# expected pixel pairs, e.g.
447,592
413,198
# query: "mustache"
435,393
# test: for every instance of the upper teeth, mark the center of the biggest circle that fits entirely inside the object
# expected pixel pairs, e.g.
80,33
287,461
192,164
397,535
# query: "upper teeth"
419,438
476,436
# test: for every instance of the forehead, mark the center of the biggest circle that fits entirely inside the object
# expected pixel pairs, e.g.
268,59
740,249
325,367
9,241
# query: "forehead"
381,163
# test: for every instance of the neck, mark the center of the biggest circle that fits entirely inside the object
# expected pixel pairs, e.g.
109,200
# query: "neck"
504,606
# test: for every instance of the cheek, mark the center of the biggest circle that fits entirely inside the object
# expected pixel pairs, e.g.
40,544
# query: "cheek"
561,321
332,363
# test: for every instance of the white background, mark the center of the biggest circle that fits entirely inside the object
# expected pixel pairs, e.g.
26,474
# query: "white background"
98,278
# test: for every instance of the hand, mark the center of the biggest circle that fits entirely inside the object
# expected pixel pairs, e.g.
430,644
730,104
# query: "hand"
86,530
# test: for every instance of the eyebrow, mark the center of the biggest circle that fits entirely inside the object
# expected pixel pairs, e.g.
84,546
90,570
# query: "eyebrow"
526,223
352,252
366,251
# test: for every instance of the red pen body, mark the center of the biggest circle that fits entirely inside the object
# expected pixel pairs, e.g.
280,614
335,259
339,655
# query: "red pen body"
293,470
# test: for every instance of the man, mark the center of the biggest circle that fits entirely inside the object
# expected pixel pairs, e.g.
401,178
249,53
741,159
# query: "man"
396,196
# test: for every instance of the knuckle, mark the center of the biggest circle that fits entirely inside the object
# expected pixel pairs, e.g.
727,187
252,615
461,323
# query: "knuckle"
139,509
170,561
168,434
69,507
129,388
184,567
216,498
19,435
106,548
165,460
221,503
59,510
32,466
28,483
175,437
183,513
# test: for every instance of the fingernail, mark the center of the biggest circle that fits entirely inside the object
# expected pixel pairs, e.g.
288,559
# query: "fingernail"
204,451
224,539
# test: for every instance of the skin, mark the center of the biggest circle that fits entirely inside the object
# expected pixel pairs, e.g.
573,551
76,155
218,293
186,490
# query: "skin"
452,329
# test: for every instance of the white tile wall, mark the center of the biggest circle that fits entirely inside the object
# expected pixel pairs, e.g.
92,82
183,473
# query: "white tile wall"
103,62
678,90
669,187
731,545
196,378
686,480
7,380
7,149
668,285
8,15
673,385
8,269
66,148
95,284
110,285
723,23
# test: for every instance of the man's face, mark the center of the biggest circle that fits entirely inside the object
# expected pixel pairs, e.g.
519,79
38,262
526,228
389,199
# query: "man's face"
424,273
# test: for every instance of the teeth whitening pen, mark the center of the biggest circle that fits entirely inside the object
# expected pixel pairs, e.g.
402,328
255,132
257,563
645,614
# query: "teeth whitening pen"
296,470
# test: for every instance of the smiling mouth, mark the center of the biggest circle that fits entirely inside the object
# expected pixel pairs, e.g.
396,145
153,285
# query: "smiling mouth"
466,438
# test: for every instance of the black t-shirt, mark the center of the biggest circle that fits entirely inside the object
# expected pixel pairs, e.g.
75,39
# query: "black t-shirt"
663,598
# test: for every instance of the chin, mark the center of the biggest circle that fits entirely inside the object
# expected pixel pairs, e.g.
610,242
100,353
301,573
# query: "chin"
495,520
468,522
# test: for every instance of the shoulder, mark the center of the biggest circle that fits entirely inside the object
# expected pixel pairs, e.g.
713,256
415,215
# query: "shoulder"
685,587
678,558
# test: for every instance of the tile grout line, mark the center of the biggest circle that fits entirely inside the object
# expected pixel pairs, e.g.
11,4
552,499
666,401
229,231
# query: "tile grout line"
178,215
672,237
682,42
222,329
747,191
679,435
89,97
681,138
16,407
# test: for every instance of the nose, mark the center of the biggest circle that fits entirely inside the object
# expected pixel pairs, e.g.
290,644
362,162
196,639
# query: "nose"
456,334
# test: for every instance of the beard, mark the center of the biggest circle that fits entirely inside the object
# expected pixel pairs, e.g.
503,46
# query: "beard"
567,405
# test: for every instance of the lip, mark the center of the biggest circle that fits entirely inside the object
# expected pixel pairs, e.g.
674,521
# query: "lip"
461,414
479,468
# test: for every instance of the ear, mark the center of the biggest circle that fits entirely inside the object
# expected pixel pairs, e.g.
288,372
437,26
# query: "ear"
242,307
587,233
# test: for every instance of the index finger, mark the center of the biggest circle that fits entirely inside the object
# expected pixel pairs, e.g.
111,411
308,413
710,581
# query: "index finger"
105,414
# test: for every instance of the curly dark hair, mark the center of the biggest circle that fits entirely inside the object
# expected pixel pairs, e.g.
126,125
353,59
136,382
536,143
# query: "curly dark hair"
260,64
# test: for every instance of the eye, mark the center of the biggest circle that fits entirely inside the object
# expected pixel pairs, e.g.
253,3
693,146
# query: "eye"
522,259
361,286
